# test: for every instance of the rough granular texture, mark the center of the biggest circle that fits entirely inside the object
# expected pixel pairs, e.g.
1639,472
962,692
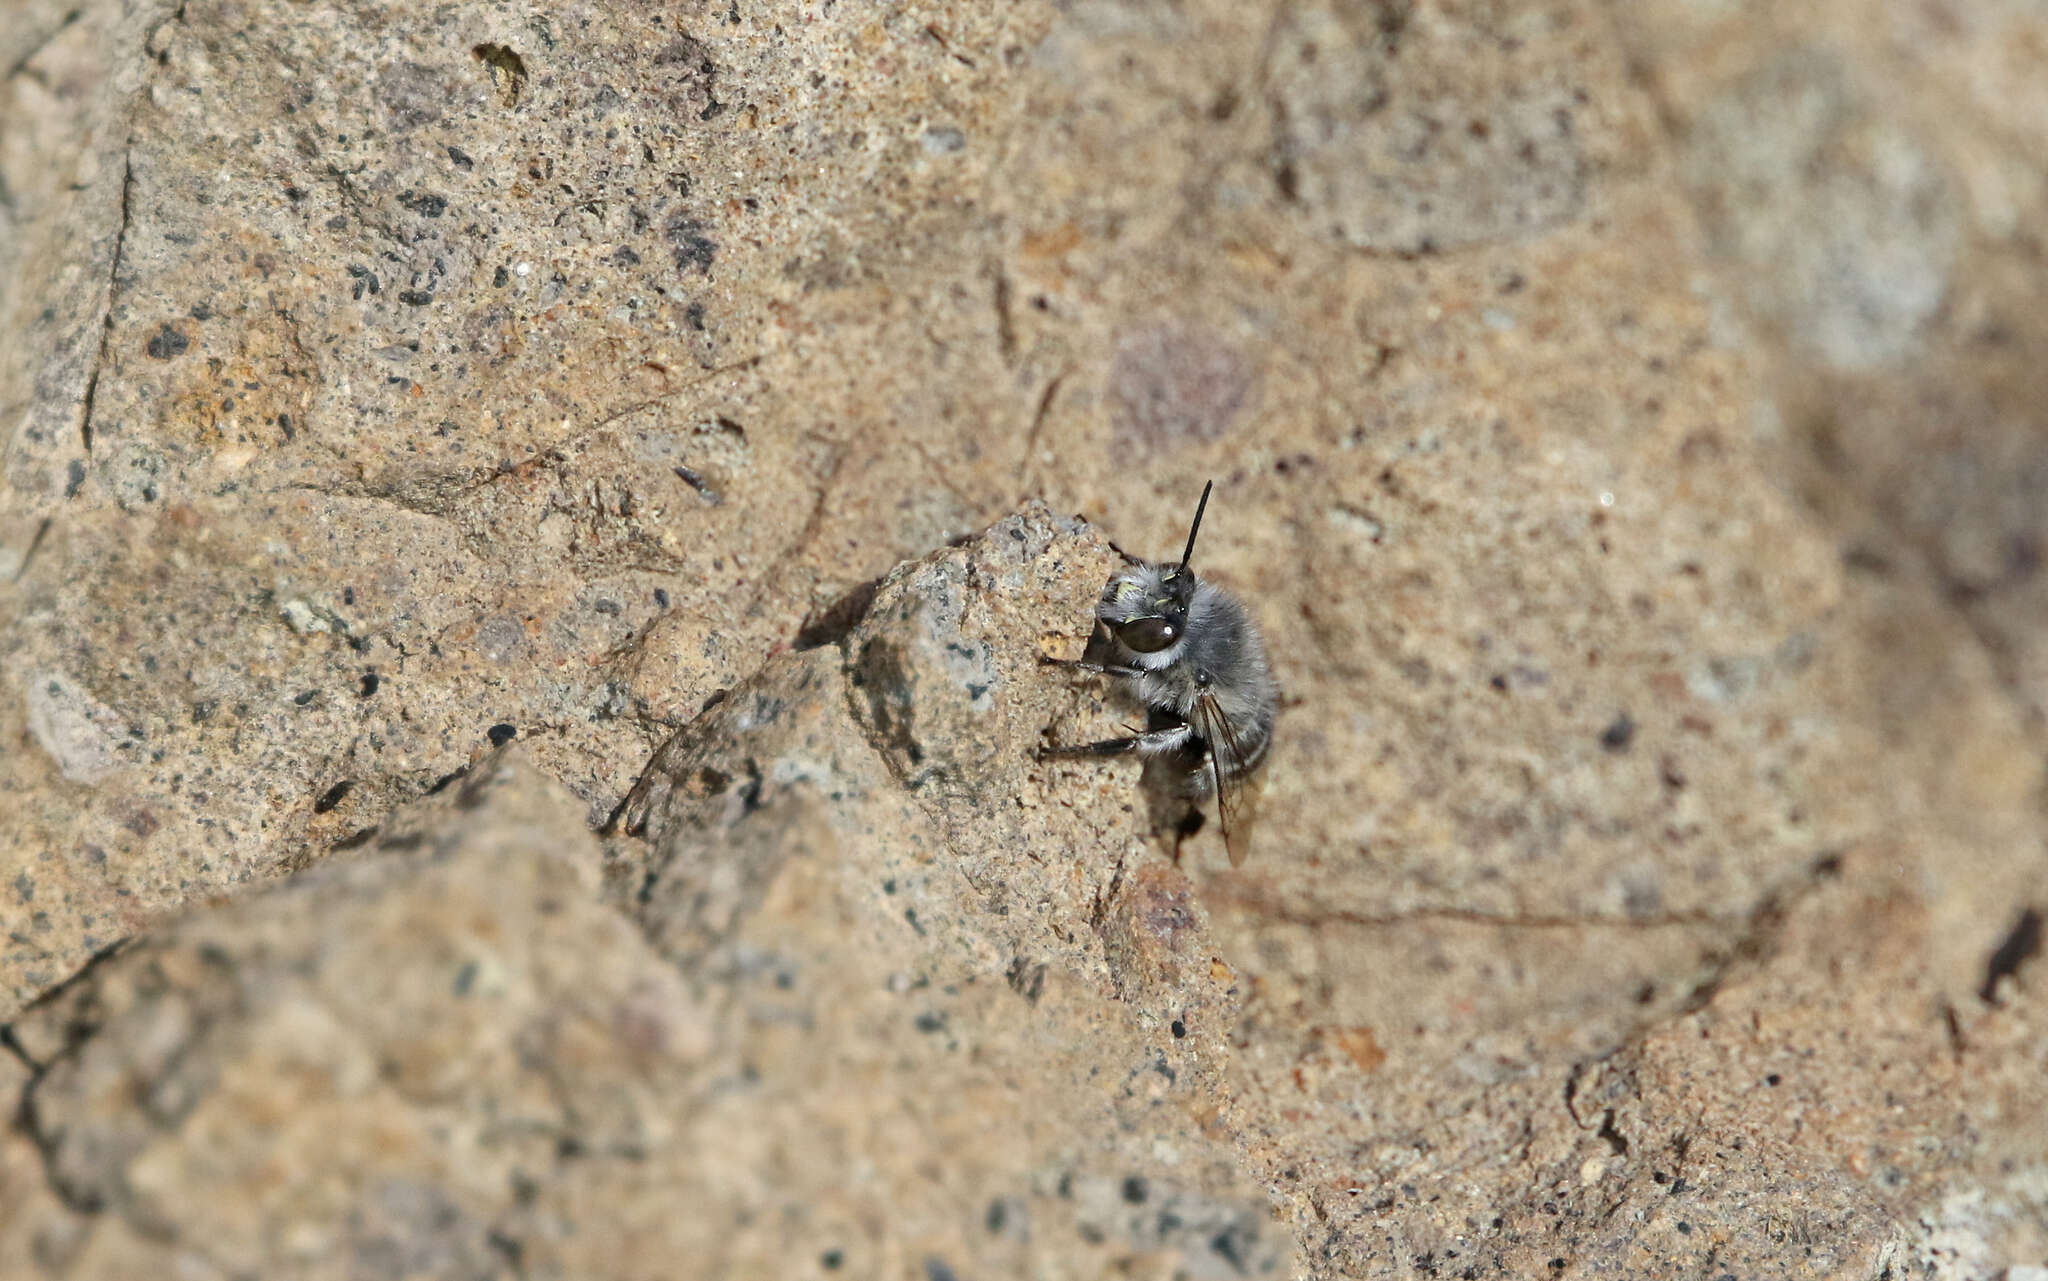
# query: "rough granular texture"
527,536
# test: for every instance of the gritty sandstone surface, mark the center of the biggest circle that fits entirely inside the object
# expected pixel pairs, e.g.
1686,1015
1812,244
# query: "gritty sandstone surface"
1658,788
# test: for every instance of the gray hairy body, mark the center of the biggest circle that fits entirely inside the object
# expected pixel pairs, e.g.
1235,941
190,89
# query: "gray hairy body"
1219,658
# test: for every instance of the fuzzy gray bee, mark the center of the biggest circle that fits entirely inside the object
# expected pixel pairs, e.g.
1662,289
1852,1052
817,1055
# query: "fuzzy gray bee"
1188,651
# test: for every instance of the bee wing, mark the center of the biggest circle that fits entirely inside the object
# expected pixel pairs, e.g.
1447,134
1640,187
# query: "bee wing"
1237,793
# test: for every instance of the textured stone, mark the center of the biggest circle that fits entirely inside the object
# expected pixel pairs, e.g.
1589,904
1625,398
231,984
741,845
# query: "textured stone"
1867,171
443,1052
352,1072
1846,220
1414,128
1648,880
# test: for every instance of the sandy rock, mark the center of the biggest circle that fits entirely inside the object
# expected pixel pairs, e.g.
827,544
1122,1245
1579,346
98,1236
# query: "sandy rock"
859,978
355,1070
448,1050
1626,427
1413,128
1865,174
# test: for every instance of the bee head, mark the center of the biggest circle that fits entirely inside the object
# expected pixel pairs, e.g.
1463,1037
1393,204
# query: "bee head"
1146,606
1146,609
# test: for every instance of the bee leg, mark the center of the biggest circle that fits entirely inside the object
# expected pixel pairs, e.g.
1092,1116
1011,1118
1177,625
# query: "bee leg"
1106,669
1158,740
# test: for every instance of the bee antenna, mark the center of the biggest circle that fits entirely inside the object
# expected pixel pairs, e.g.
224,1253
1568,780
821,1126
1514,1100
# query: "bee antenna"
1197,526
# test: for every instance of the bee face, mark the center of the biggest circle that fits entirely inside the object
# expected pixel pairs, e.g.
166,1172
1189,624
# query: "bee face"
1146,608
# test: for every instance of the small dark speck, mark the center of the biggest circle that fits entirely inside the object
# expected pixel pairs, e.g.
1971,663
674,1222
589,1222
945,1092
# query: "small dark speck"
512,1249
931,1021
831,1260
1499,684
500,278
697,482
501,734
694,315
1678,1185
936,1270
333,796
692,247
1684,1228
1617,736
1136,1190
305,697
1180,1029
910,915
889,886
348,595
997,1218
1226,1248
166,343
415,297
465,978
460,157
1773,1079
661,598
603,606
1866,560
370,683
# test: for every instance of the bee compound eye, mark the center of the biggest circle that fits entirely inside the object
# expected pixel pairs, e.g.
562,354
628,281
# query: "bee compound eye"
1147,635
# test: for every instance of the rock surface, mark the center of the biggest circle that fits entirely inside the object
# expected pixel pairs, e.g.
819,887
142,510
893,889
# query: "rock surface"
1649,876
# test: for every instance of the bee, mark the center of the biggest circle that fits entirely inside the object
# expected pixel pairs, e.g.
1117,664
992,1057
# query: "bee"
1191,654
